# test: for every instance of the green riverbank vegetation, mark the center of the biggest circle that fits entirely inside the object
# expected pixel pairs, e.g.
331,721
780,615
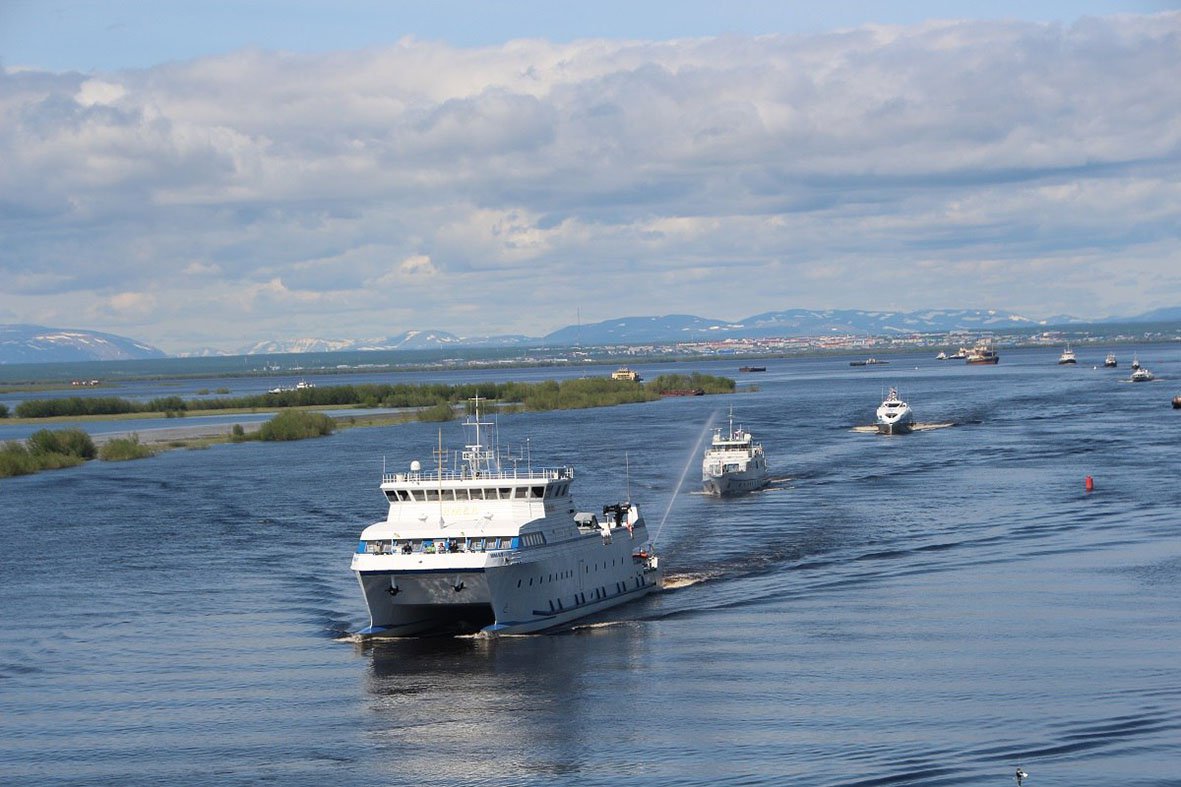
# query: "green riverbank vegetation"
296,425
52,449
548,395
123,449
45,450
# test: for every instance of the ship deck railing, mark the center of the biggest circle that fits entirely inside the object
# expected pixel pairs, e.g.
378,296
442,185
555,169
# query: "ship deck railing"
541,474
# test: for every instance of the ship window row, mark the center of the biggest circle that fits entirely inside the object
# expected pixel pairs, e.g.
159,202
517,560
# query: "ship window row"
482,493
543,578
587,567
432,546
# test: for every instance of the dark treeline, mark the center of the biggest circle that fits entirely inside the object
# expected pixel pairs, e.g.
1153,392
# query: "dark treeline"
549,395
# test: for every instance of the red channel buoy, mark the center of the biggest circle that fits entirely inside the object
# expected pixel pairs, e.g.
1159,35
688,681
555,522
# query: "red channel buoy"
1089,484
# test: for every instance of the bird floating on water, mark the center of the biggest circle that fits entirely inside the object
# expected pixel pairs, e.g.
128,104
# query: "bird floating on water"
1020,776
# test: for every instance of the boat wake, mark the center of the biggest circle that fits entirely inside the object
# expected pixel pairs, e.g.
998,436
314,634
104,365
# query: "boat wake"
678,581
915,428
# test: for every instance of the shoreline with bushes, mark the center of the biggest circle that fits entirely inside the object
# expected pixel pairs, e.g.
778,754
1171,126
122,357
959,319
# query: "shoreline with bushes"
547,395
49,449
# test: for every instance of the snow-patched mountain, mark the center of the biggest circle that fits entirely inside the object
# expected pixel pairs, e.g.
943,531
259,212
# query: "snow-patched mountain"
808,322
38,344
407,340
633,330
303,345
790,322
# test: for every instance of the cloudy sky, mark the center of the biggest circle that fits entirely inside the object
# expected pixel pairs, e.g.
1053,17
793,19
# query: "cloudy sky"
210,174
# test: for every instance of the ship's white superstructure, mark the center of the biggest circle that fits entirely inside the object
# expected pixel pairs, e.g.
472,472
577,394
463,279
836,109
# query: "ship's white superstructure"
733,463
894,416
483,548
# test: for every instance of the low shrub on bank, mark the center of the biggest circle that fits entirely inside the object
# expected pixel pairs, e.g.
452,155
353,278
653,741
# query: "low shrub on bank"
71,442
45,450
296,425
696,381
122,449
440,412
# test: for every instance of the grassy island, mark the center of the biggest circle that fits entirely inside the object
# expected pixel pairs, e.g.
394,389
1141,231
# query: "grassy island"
298,419
434,398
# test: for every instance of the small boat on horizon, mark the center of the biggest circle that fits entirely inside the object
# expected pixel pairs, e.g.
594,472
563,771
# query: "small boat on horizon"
1135,362
868,362
1067,356
959,355
941,356
1109,362
752,368
894,416
626,374
1142,375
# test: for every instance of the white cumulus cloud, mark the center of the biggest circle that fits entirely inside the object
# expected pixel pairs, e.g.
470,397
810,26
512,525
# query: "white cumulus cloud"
261,194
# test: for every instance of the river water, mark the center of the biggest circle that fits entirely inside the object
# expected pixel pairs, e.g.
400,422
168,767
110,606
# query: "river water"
928,609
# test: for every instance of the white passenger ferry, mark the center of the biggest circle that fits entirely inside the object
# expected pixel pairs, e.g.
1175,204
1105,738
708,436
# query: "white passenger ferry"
479,548
733,463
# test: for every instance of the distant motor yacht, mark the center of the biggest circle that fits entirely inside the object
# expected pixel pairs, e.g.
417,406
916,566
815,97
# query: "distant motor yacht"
894,416
1110,361
959,355
1067,356
733,463
1142,375
941,357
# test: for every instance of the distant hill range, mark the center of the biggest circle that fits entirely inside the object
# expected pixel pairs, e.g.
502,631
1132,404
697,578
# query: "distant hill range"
37,344
407,340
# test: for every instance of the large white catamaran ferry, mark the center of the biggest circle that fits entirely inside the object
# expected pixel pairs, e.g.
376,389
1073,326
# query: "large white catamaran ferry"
478,548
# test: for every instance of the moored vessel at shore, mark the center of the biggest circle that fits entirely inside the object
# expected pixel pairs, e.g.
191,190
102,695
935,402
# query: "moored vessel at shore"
624,373
733,463
982,353
484,549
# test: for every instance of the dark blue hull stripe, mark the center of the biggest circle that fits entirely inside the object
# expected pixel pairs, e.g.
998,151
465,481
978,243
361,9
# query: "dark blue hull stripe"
405,571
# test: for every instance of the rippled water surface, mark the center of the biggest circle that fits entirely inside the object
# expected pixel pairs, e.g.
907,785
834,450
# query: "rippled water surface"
927,609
